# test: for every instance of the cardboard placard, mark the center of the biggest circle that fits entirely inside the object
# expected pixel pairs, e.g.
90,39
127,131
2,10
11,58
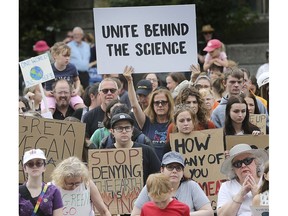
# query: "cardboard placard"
260,141
145,38
203,152
57,138
259,120
36,70
118,174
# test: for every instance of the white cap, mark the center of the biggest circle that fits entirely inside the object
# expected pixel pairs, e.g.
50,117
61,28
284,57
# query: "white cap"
32,154
263,79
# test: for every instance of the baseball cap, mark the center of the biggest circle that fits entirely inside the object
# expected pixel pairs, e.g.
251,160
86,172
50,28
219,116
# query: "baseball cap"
32,154
144,87
172,157
120,117
41,46
212,45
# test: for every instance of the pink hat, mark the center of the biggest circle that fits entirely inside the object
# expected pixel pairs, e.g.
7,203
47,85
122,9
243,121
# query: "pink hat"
212,45
41,46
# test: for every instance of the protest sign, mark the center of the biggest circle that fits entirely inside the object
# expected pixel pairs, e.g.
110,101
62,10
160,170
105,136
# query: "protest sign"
147,38
260,141
203,152
260,210
36,70
57,138
118,174
259,120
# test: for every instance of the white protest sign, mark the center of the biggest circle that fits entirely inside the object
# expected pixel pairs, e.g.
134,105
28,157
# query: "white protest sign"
151,39
36,70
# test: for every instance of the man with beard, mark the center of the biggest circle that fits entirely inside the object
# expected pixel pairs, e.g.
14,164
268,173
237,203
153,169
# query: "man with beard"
62,91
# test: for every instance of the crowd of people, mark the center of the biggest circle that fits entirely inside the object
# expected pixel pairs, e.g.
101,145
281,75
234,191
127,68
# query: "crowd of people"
119,113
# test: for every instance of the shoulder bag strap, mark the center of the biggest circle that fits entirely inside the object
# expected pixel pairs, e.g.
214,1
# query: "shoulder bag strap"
40,199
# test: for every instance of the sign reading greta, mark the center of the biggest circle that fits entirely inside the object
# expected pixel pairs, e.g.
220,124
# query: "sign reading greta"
57,138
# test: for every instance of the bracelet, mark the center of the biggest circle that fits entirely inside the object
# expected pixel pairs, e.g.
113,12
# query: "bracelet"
236,201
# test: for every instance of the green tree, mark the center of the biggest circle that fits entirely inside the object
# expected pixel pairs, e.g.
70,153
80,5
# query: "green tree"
38,20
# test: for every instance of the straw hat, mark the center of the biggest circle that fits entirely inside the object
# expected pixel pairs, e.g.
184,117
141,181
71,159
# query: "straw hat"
240,149
207,28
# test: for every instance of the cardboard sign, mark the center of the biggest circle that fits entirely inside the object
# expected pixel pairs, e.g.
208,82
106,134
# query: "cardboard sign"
76,203
203,152
57,138
259,120
36,70
118,174
260,141
260,210
151,39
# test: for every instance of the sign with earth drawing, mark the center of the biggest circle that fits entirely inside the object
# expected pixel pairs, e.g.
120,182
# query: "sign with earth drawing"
36,70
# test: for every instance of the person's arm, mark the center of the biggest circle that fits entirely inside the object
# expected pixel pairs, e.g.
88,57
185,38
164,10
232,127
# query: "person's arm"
205,210
97,200
137,110
256,200
77,83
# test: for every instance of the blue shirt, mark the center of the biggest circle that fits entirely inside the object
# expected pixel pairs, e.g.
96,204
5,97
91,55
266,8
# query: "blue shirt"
80,55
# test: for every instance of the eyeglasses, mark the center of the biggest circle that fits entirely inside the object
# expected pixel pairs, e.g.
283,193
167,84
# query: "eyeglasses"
63,92
72,184
38,164
120,129
105,91
172,167
157,103
246,161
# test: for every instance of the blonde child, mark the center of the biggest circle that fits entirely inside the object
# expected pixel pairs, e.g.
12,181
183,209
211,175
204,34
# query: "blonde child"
215,54
63,69
160,191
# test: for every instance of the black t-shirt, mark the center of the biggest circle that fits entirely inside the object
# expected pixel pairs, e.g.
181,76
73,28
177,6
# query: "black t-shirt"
94,120
58,115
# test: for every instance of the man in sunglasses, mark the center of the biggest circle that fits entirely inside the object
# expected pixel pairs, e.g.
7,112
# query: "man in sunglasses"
108,91
243,169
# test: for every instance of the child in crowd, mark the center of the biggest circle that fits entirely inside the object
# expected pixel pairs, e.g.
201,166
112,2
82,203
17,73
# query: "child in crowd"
160,190
63,70
215,54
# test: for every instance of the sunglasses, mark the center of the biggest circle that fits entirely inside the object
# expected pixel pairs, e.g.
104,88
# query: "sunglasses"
246,161
31,164
105,91
163,103
72,184
172,167
207,32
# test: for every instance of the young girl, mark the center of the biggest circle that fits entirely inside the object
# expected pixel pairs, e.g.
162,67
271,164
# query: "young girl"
63,70
35,191
184,122
215,54
71,177
237,118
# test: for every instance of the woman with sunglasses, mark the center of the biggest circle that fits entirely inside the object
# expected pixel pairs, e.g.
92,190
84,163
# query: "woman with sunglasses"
36,197
184,190
155,119
71,176
244,168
